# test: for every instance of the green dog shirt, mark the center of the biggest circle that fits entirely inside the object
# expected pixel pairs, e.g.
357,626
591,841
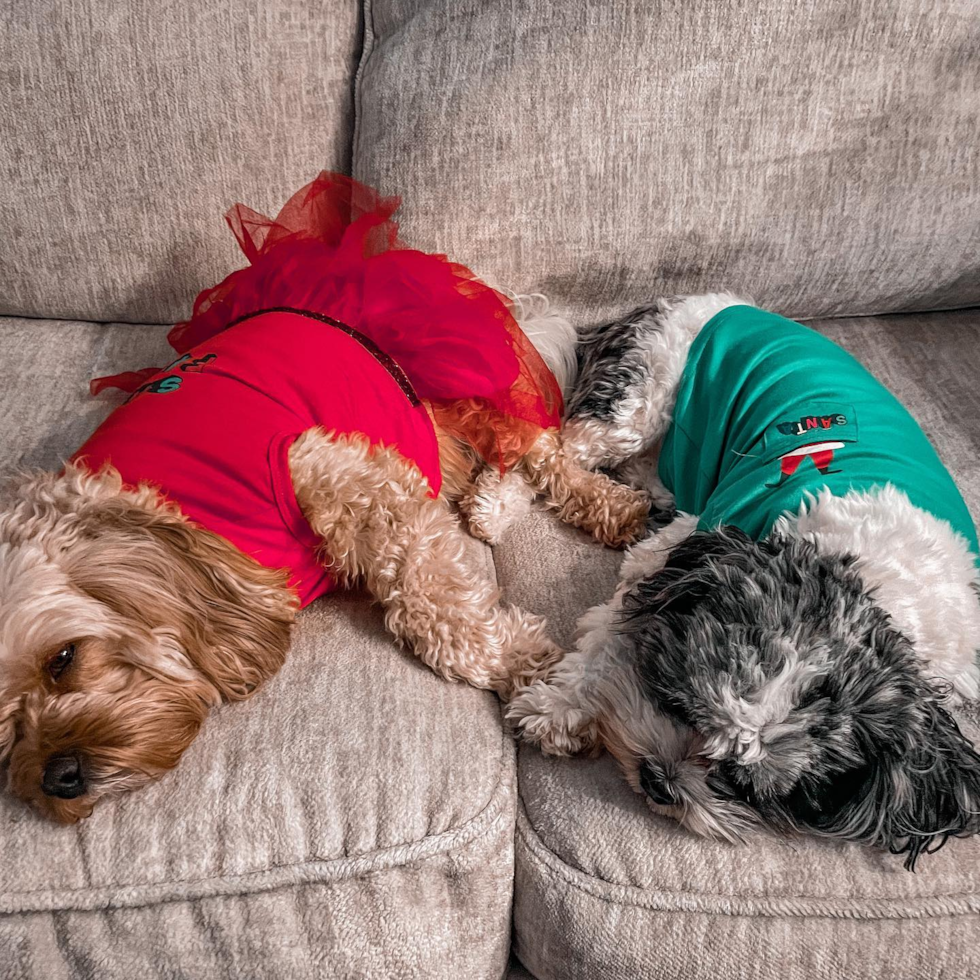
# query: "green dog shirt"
769,411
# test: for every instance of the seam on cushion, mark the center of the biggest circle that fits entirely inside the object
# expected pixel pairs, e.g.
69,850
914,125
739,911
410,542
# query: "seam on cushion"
503,938
367,18
806,320
84,321
734,905
323,871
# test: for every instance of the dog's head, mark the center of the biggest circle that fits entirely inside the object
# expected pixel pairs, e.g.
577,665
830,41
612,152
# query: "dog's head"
120,626
809,707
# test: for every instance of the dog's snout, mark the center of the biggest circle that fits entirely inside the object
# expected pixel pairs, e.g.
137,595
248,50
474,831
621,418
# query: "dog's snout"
654,782
63,777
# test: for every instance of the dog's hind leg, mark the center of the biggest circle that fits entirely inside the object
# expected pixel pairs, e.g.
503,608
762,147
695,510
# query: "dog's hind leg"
628,375
380,526
617,415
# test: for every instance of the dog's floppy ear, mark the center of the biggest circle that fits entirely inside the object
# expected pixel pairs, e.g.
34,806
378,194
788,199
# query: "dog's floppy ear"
920,782
924,784
913,801
202,599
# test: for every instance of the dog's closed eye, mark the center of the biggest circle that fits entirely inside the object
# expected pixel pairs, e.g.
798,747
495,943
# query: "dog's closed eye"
60,662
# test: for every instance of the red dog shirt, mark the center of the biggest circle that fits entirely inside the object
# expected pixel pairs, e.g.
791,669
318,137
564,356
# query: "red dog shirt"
213,430
268,353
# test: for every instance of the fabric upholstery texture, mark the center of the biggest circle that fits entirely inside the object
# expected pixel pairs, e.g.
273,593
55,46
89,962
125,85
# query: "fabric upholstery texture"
354,819
130,128
817,156
605,890
360,818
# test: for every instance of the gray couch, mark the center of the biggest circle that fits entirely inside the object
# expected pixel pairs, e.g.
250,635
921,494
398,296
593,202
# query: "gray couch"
361,818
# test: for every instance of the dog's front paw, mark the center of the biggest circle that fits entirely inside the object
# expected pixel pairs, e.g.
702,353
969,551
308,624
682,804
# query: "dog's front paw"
543,718
534,667
533,653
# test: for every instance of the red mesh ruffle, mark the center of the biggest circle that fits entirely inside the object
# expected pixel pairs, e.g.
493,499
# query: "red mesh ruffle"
333,249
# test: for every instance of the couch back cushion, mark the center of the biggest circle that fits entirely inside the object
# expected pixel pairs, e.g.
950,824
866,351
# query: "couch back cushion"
128,128
821,157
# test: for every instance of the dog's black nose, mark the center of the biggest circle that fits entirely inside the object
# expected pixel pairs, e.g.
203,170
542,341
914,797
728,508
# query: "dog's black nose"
63,777
655,784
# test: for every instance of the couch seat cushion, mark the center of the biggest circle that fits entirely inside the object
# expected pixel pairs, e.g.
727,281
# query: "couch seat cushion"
354,819
605,889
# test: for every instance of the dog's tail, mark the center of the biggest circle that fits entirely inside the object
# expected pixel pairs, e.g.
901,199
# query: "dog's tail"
554,338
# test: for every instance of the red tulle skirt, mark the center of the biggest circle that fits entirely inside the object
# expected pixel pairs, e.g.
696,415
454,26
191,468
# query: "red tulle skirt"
333,250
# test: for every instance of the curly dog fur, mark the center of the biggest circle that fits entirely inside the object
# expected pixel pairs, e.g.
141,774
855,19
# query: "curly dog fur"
122,623
803,680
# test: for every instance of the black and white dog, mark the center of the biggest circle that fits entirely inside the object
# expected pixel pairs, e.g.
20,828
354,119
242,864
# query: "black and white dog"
799,674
